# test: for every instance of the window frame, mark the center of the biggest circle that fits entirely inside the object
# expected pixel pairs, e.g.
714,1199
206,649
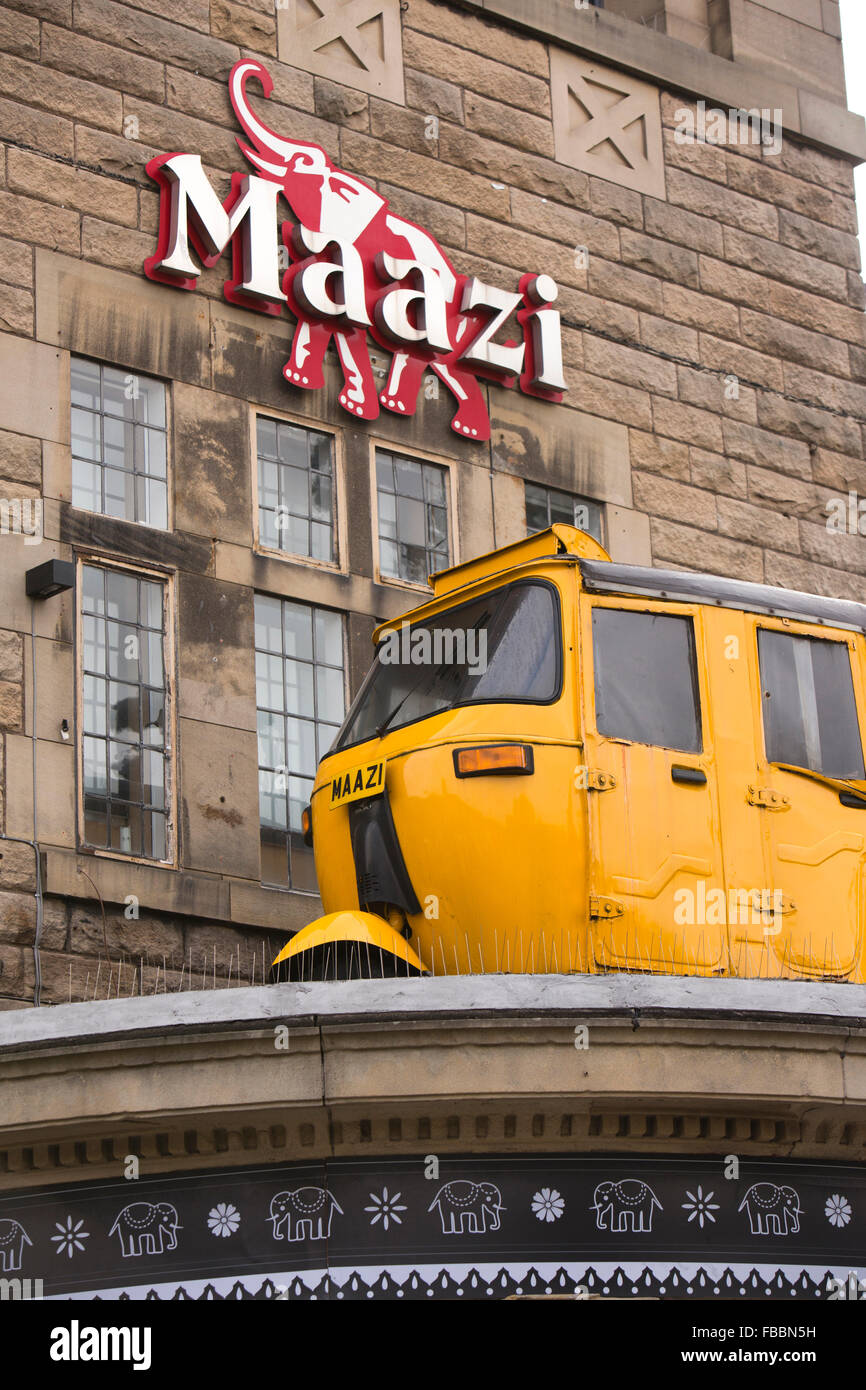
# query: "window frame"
787,627
343,617
339,565
86,558
440,461
577,497
169,446
691,612
447,612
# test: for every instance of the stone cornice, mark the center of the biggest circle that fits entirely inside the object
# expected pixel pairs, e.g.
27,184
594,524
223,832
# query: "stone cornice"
478,1064
447,1000
677,65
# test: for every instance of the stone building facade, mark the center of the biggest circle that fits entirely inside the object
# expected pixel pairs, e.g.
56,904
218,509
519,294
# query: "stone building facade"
712,334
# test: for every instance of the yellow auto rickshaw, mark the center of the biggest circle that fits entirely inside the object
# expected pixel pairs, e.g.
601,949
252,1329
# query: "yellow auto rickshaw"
563,764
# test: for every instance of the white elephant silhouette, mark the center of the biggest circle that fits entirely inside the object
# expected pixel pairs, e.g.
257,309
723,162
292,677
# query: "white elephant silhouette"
12,1241
142,1225
465,1206
771,1208
306,1213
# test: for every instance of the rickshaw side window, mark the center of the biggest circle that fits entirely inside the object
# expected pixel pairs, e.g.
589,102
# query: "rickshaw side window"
646,682
808,705
505,647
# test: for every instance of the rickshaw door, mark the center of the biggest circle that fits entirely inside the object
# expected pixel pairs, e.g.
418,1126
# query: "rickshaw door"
808,801
656,890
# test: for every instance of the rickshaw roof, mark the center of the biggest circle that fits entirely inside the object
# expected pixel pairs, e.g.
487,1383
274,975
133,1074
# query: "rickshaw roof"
600,575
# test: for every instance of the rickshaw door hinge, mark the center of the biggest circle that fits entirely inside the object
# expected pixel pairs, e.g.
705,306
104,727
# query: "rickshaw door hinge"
604,907
599,781
770,800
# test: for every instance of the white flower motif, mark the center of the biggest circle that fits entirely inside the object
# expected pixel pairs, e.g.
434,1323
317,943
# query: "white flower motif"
837,1210
548,1205
385,1208
700,1206
223,1219
71,1237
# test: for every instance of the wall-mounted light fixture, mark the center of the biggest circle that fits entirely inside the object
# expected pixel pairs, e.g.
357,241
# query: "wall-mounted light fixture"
55,576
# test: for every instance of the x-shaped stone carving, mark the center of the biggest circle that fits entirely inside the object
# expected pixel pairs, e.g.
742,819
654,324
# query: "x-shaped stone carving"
307,27
605,141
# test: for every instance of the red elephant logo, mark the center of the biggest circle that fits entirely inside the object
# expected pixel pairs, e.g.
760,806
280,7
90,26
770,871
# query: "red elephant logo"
354,267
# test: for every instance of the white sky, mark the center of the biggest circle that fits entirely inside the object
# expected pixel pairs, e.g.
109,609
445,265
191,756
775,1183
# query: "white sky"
854,47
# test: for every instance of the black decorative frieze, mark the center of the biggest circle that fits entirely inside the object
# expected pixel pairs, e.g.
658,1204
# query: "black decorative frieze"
465,1227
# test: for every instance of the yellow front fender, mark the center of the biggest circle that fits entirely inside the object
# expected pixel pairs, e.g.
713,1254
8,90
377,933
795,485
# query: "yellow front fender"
364,927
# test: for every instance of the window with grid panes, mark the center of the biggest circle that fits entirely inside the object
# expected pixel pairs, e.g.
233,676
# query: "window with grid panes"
413,517
296,489
125,748
546,505
300,694
119,444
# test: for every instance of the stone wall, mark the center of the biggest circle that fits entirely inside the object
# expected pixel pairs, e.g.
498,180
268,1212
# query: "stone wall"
713,338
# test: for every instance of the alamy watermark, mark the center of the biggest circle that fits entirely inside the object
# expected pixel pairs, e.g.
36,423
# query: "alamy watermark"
713,907
436,646
846,516
21,516
710,125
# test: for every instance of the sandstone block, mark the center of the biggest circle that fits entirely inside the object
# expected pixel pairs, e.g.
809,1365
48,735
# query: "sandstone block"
467,31
19,33
618,203
848,397
688,424
17,918
422,174
598,396
504,164
11,657
615,281
708,199
705,552
45,178
662,497
685,228
759,525
476,72
651,453
665,336
16,311
80,56
433,97
656,257
11,705
17,868
761,181
343,106
790,495
713,391
145,33
27,218
700,310
782,339
635,368
494,119
767,450
241,25
791,572
63,95
564,224
600,315
808,423
756,368
782,263
818,240
718,473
